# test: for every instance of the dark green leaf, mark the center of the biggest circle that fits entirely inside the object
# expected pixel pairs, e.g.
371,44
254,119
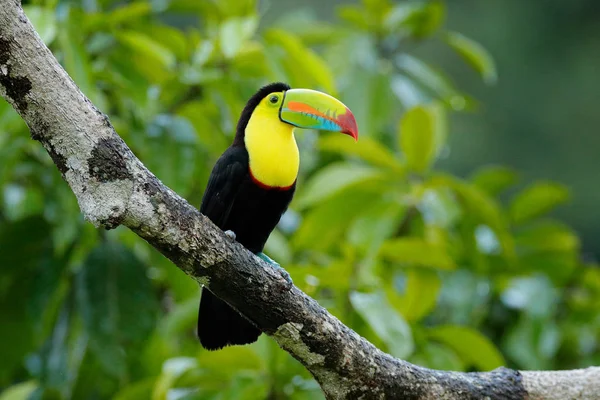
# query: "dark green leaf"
117,305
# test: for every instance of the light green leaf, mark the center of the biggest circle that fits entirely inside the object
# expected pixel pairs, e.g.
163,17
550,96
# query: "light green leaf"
332,179
323,225
20,391
141,390
416,19
426,75
420,294
474,348
438,356
76,59
408,91
278,248
301,62
354,15
234,33
385,321
536,200
367,149
126,13
478,203
43,20
422,133
416,251
494,179
376,223
439,207
172,369
147,47
474,54
548,236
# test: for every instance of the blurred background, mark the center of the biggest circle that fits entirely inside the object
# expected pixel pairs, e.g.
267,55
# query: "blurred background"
458,234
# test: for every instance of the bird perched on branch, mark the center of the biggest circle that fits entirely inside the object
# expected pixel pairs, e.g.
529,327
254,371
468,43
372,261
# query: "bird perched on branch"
253,182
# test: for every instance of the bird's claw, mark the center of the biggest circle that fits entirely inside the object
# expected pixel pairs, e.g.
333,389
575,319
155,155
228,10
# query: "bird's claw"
284,274
230,234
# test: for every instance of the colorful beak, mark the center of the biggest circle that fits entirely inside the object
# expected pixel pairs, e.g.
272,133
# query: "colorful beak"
310,109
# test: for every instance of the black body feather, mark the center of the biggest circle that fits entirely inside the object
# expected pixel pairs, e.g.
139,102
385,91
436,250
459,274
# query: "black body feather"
234,201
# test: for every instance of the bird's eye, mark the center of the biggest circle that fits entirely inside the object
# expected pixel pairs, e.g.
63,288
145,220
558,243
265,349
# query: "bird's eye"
274,99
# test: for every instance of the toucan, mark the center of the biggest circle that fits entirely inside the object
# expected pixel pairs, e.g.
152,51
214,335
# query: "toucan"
253,182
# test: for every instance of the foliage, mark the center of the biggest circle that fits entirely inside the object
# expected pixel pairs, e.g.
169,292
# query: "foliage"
447,272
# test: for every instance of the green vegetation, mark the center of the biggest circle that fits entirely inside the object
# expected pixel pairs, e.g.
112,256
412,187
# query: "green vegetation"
448,273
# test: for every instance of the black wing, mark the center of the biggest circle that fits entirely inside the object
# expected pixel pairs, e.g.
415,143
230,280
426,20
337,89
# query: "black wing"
223,185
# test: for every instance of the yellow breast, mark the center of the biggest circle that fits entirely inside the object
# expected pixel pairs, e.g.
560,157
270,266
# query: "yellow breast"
272,149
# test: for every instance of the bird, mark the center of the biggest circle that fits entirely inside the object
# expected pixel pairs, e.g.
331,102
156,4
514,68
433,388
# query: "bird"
253,182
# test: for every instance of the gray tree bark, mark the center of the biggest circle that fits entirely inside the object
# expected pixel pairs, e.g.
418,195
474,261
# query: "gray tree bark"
114,188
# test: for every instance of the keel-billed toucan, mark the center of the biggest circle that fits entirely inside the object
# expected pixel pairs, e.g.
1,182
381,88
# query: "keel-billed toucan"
253,182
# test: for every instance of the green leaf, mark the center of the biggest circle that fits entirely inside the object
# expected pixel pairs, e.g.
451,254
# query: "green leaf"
481,206
375,224
420,295
234,33
537,199
172,369
548,236
439,207
28,280
278,248
126,13
353,15
385,322
474,54
494,179
417,19
438,356
147,47
415,251
20,391
368,149
323,225
303,64
43,20
532,343
117,305
474,348
76,59
136,391
422,133
332,179
428,76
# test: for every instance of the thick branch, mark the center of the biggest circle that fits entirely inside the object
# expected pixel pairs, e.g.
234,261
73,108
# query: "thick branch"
113,187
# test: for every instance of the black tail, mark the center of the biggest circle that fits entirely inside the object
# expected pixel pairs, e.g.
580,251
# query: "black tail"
219,325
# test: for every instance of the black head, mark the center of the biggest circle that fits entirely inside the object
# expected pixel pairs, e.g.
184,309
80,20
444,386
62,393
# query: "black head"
251,105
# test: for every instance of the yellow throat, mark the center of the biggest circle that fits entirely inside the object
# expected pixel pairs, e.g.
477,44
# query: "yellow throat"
272,148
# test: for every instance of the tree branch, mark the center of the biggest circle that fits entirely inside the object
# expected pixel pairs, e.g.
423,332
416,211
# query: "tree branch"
114,188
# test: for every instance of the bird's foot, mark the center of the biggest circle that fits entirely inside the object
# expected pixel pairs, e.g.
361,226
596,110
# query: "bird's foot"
230,234
284,274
